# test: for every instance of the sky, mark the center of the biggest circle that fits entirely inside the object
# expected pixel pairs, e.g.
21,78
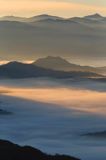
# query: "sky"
64,8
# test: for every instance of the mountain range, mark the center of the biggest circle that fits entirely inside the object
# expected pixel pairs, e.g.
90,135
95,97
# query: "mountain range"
80,39
54,67
31,19
43,17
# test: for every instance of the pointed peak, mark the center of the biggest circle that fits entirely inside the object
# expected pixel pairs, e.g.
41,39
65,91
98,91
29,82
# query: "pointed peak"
94,16
51,60
97,15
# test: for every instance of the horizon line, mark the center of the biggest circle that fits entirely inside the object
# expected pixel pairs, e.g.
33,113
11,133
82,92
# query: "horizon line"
14,15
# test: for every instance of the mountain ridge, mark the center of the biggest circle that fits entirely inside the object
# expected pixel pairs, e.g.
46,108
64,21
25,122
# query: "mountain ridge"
58,63
22,70
47,16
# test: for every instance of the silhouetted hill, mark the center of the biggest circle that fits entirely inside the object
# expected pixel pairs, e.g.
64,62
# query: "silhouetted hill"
10,151
43,17
95,16
30,19
22,70
13,18
58,63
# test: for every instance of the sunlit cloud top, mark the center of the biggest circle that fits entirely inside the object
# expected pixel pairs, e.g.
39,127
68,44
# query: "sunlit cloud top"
64,8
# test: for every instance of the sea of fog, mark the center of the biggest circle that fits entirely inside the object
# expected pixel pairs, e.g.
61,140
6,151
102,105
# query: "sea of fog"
55,115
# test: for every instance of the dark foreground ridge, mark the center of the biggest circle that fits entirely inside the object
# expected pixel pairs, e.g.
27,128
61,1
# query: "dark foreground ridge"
10,151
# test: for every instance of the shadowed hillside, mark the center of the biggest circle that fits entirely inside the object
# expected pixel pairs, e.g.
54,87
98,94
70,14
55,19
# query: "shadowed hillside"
22,70
58,63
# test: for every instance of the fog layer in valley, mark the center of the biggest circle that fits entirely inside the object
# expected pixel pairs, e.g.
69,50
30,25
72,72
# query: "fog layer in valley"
53,115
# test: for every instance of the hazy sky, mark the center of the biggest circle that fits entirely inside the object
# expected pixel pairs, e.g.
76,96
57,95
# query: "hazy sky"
64,8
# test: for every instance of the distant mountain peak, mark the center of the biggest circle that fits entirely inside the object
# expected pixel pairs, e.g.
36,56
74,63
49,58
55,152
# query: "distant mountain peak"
97,15
94,16
44,17
60,64
52,59
55,63
13,18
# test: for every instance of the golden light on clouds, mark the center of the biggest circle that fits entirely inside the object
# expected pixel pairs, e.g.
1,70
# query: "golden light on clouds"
61,8
77,99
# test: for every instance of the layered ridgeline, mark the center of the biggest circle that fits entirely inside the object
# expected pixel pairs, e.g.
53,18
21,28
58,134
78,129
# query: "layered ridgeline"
79,39
58,63
54,67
